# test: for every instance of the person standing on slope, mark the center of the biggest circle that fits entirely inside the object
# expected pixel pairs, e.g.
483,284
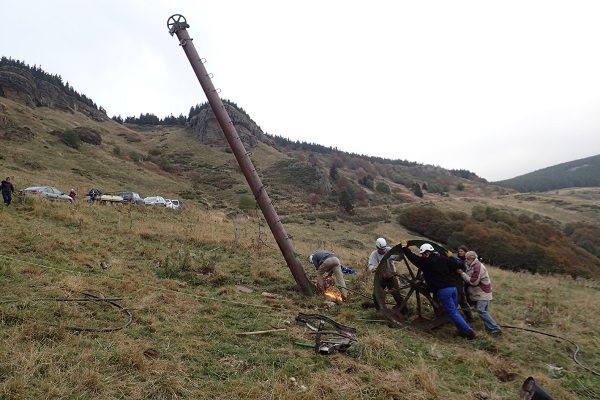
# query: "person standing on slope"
388,276
463,301
7,190
479,287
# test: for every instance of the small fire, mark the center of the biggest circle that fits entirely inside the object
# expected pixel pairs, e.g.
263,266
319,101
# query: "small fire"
333,294
331,291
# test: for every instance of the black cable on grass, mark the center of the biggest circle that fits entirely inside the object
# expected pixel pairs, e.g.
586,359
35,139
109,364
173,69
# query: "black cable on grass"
140,284
90,297
557,337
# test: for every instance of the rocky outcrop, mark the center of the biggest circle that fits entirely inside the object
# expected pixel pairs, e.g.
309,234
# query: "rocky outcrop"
19,85
208,131
9,130
89,135
85,134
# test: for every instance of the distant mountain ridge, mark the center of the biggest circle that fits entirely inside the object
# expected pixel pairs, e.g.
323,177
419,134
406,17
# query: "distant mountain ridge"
578,173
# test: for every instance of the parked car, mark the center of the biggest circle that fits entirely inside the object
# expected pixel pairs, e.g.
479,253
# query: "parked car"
155,201
47,192
174,203
106,198
132,197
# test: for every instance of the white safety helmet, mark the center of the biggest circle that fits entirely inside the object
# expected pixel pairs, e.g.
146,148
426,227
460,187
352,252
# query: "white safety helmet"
310,258
426,247
380,243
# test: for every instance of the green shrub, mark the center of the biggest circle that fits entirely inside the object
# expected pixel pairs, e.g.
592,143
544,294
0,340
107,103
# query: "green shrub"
70,138
246,202
165,164
383,187
347,198
134,156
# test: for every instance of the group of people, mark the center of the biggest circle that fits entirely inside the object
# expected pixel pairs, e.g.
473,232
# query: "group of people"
446,276
93,194
438,272
7,189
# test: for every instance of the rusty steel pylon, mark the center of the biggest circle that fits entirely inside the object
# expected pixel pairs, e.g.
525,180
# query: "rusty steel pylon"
177,26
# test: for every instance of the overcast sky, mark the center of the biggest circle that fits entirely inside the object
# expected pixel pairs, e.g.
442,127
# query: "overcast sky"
499,88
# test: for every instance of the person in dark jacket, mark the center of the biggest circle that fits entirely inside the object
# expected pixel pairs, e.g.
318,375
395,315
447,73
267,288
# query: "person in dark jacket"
7,190
325,261
438,272
93,193
463,301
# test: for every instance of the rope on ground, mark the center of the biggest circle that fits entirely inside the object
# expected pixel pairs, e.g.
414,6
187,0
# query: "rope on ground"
140,284
91,297
557,337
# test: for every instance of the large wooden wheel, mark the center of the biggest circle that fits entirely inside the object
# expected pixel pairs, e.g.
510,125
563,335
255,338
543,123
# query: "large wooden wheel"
419,309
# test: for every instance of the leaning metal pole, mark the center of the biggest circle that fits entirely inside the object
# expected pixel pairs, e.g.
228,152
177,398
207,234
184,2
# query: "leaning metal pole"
177,25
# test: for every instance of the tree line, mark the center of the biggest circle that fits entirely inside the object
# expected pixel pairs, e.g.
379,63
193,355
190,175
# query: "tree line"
171,120
151,119
578,173
511,241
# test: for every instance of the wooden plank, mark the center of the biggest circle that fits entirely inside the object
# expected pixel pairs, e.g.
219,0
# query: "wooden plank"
260,332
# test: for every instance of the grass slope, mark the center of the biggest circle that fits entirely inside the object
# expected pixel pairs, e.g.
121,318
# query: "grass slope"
177,273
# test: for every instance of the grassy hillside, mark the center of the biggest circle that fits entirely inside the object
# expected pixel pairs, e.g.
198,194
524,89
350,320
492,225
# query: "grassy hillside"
182,276
578,173
178,274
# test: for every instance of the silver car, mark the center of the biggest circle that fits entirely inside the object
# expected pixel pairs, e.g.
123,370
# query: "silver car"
47,192
155,201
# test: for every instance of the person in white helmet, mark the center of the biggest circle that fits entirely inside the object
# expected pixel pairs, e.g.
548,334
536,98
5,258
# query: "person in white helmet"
388,277
440,281
326,261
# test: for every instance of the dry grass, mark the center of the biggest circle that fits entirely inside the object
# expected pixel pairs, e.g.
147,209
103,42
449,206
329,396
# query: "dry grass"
177,273
182,343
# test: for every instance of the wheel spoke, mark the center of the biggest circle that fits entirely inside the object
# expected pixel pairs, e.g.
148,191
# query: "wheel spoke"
405,301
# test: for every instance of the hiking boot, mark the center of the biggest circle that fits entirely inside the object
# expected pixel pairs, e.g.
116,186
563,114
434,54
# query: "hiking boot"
469,336
470,318
495,333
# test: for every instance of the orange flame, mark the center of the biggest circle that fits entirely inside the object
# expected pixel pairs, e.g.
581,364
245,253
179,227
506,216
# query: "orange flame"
333,294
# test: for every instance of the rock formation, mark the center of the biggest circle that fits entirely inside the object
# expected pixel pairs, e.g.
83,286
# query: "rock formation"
207,128
19,85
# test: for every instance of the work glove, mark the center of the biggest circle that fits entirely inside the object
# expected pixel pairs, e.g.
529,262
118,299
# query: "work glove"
448,253
403,243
